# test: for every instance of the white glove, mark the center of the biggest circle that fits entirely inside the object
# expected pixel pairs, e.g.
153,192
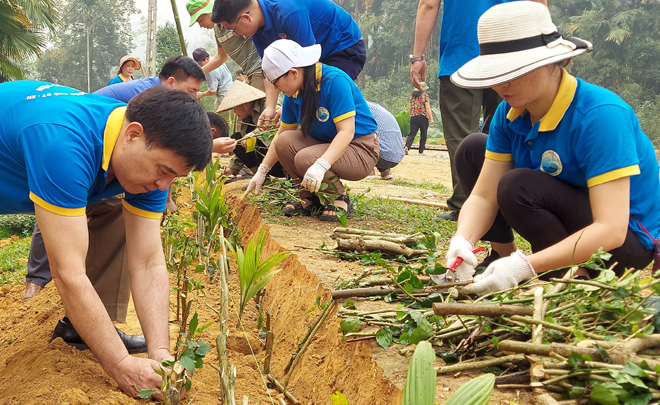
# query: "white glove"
459,246
314,176
502,274
254,186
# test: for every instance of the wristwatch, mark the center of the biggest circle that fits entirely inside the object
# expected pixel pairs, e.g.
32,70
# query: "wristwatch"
414,59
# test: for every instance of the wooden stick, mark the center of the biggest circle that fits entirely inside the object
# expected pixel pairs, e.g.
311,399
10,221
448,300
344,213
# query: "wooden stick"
382,245
270,337
521,377
442,205
374,291
282,389
490,310
221,340
328,309
516,358
556,327
356,231
539,315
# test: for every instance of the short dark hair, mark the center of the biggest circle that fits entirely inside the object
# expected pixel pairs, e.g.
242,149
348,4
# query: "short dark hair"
228,10
181,68
220,125
240,72
200,54
173,120
416,93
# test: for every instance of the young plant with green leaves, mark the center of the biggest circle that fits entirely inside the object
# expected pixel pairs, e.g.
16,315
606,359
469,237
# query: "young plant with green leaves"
177,374
254,272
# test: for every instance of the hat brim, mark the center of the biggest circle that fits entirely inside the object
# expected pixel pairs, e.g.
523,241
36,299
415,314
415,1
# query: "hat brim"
206,10
138,65
239,93
310,55
493,70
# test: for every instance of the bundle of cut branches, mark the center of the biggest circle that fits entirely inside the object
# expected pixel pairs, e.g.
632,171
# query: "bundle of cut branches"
573,341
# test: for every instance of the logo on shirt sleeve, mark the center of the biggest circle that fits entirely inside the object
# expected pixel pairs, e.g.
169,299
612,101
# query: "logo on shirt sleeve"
322,114
551,163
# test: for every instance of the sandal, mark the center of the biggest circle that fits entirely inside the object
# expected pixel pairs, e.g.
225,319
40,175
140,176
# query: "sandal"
333,217
298,210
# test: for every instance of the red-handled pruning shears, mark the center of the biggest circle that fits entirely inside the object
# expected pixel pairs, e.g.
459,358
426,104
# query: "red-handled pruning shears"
457,262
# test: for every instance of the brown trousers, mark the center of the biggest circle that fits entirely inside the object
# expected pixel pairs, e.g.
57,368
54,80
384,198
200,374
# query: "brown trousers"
256,80
297,152
106,257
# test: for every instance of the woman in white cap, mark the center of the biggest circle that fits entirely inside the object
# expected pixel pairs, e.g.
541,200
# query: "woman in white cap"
565,164
127,66
336,139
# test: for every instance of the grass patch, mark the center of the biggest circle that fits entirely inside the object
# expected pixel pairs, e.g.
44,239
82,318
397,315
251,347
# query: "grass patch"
426,186
401,217
19,224
13,261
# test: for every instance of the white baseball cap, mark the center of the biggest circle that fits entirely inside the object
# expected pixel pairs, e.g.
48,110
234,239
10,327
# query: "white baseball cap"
284,54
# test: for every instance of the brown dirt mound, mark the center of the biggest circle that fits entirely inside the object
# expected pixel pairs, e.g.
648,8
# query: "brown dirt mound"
35,371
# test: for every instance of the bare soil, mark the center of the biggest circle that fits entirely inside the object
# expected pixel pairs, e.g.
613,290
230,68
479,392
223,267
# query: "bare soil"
36,371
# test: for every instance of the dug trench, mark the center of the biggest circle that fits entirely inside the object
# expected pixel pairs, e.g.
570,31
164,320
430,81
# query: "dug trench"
36,371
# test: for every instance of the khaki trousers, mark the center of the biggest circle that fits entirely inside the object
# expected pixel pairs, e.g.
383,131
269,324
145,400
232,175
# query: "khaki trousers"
297,153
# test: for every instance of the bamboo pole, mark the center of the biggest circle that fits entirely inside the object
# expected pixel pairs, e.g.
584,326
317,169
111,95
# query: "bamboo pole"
226,373
442,205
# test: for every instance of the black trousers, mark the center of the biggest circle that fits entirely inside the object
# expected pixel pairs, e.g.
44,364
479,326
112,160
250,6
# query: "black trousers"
418,123
541,208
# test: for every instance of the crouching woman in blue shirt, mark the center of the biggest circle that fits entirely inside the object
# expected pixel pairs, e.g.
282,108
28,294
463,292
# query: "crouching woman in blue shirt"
336,139
565,163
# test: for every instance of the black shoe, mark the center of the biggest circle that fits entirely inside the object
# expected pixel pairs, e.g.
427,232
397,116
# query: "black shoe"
492,256
448,216
65,330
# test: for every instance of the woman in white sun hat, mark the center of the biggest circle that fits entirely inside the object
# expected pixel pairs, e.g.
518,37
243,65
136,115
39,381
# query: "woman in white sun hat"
127,65
336,139
566,164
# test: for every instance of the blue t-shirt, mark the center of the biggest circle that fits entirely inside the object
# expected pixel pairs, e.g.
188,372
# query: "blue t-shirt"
338,98
125,91
458,34
588,137
307,22
219,80
55,148
390,140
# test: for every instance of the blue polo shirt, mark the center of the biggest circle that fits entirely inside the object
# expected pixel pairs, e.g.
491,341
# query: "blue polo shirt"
125,91
307,22
117,79
588,137
55,149
339,98
458,33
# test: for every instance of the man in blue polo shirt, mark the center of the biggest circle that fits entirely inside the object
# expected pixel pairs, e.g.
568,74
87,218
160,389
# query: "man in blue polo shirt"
179,73
85,149
306,22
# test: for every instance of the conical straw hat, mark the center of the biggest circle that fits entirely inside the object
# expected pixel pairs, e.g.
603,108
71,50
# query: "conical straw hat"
240,93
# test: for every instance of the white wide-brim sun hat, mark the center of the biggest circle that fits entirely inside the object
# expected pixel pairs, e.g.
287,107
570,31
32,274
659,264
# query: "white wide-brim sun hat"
284,54
515,38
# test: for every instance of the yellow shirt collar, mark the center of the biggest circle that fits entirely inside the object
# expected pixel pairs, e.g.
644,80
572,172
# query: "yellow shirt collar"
558,108
319,74
123,79
111,134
